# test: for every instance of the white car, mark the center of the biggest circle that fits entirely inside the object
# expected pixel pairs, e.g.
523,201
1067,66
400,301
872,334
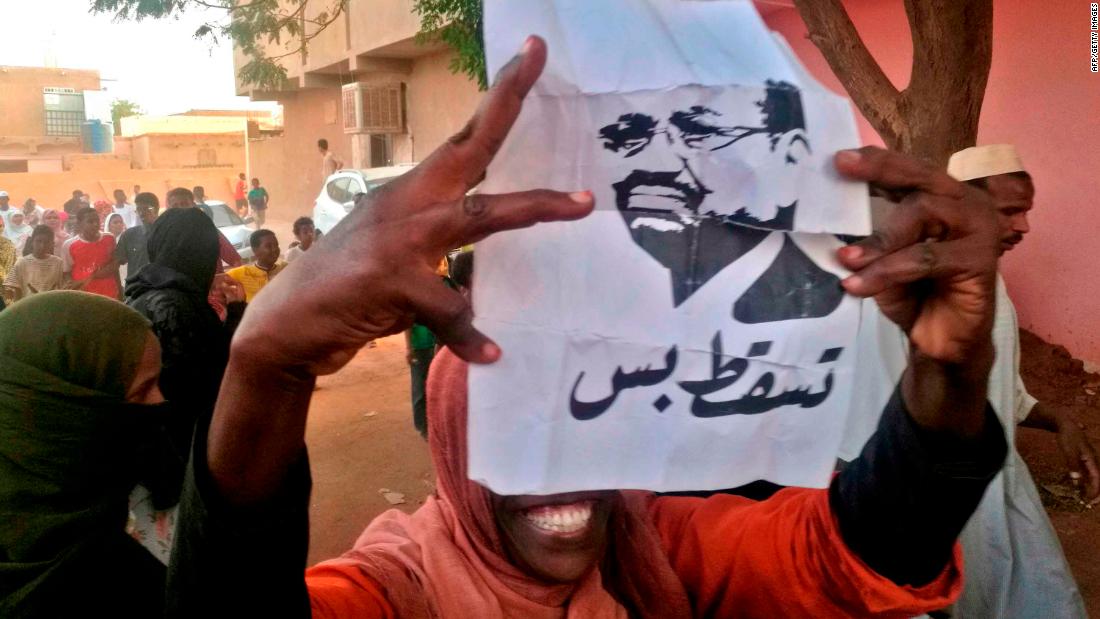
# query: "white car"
231,226
339,191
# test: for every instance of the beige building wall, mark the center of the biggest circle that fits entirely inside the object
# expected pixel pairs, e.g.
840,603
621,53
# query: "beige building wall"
368,29
289,167
100,177
374,43
143,125
272,163
438,104
22,112
221,150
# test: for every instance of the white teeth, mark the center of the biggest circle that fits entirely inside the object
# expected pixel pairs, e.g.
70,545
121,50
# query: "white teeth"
561,518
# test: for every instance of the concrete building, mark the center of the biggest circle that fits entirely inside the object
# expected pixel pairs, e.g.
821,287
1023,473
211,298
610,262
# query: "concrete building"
215,141
41,114
203,147
371,50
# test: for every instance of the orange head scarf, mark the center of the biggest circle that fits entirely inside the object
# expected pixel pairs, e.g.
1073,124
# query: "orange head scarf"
448,560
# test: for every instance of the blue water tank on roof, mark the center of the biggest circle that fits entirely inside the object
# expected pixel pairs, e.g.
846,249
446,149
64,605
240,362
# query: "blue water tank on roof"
98,137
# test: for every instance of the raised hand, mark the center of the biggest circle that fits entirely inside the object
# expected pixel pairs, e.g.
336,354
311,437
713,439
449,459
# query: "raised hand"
932,268
375,270
932,265
372,275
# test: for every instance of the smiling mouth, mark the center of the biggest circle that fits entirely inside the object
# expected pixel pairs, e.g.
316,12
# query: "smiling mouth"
565,520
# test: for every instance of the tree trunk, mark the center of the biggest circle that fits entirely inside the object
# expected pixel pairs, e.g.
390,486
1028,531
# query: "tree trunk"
937,114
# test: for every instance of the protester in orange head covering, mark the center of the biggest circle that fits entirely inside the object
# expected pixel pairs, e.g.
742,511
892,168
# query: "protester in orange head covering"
470,553
450,558
463,554
879,542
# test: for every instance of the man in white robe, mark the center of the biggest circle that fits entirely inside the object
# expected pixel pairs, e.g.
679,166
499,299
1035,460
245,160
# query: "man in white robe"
1014,566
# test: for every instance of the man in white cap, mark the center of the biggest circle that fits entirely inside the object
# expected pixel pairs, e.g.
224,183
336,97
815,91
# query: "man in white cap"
5,209
1014,564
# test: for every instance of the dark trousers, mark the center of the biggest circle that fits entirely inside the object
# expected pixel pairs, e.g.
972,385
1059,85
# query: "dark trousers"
418,370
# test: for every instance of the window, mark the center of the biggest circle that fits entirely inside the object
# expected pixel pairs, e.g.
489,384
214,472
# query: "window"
375,184
60,122
338,190
223,216
381,150
355,187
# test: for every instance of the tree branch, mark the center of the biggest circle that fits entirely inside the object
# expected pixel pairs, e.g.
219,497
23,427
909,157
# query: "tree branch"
952,54
833,32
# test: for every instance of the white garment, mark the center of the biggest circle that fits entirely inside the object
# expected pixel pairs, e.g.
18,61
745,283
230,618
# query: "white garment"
128,213
1013,566
882,353
67,256
19,235
152,529
294,253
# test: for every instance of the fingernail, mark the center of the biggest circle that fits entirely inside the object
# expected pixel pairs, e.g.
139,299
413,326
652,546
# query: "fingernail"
528,43
848,157
581,197
853,281
491,351
852,252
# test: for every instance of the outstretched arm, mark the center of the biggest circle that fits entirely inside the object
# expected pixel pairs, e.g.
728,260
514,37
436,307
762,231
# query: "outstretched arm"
881,541
248,489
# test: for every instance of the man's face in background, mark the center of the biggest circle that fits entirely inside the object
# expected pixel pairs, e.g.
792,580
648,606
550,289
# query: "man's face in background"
1014,196
147,213
180,201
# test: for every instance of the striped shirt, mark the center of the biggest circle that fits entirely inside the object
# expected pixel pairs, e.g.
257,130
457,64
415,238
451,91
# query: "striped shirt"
32,275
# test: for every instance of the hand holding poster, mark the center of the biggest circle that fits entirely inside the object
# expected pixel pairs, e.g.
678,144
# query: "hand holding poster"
692,333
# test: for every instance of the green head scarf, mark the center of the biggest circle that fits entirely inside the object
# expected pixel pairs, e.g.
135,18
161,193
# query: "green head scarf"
67,440
77,339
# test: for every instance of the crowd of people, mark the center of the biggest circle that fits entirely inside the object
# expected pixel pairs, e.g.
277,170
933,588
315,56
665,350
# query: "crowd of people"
99,245
153,458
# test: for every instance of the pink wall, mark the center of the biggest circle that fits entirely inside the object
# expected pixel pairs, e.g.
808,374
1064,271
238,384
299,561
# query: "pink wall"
1043,98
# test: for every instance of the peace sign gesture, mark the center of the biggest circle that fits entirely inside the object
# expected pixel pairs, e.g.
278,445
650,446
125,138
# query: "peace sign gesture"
375,271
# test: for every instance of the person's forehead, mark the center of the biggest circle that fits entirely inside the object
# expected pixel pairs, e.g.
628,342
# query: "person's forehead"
1010,187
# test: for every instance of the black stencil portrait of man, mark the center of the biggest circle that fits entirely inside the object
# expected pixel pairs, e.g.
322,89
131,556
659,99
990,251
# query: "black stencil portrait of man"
682,202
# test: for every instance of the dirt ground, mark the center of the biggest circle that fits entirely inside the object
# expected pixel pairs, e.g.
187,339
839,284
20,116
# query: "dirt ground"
362,443
1054,377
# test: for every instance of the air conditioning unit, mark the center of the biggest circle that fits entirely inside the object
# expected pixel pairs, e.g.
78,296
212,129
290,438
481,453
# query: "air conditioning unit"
374,108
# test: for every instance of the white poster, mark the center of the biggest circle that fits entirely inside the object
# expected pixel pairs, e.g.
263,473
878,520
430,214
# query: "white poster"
692,333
